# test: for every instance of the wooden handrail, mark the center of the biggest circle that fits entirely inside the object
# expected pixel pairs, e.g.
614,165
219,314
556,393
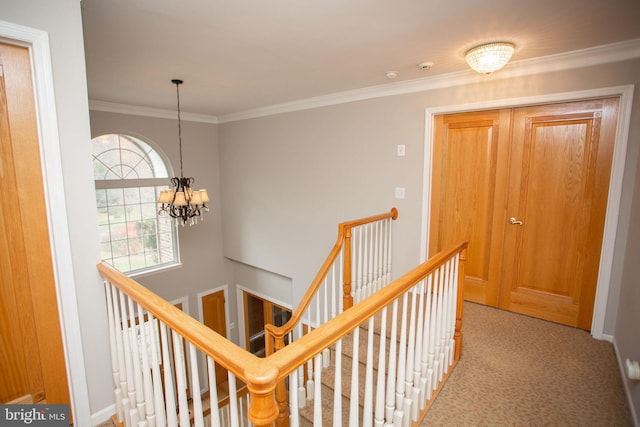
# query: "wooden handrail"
278,332
290,357
259,374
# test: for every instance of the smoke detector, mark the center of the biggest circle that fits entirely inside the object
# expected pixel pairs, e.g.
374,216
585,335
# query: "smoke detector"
391,74
425,65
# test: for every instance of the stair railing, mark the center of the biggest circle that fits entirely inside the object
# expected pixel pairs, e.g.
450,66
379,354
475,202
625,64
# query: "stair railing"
418,316
358,265
163,359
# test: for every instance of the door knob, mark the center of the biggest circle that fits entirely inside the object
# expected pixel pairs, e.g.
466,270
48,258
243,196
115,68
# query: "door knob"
514,221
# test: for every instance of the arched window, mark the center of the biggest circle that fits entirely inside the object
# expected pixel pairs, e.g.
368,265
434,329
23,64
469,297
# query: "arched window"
129,174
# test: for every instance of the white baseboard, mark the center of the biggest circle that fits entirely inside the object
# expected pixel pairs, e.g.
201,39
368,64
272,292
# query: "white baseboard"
625,383
103,415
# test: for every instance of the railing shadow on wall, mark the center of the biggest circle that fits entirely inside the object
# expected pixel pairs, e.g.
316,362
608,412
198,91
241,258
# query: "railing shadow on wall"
160,355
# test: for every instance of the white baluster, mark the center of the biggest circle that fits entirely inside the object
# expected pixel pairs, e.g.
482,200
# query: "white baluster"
376,259
181,378
317,403
402,360
439,321
115,352
310,386
337,386
293,400
213,393
380,386
417,358
155,371
393,361
425,372
359,293
367,411
169,391
129,402
136,356
335,290
146,370
354,407
408,381
233,400
326,360
302,396
196,397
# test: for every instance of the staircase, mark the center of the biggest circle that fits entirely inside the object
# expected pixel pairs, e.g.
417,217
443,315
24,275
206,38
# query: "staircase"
388,344
401,357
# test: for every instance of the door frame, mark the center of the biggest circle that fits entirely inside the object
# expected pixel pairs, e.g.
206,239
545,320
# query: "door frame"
240,290
615,183
37,42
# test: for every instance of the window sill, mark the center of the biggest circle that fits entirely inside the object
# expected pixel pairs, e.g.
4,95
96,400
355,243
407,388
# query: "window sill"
152,271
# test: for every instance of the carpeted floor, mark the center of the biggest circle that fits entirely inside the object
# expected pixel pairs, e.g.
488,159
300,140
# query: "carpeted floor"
519,371
525,372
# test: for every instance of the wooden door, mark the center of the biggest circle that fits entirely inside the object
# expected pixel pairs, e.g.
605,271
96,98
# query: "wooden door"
558,186
469,177
548,168
32,365
214,316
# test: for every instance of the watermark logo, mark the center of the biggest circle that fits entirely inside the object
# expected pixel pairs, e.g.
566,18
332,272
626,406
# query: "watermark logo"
34,415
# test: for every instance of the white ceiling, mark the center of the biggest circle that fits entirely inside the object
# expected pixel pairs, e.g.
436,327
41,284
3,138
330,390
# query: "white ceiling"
240,55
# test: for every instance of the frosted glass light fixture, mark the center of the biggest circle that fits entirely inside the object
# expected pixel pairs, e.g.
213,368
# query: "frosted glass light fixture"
490,57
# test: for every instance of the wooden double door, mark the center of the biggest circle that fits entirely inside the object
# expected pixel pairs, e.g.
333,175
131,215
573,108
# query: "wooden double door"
528,188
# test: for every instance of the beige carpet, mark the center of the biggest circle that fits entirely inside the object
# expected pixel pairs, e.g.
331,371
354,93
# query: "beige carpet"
519,371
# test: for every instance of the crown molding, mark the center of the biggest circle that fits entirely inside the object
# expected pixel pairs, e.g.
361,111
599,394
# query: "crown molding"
615,52
576,59
112,107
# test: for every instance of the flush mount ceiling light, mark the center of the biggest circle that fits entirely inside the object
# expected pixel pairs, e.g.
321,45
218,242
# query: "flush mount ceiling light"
490,57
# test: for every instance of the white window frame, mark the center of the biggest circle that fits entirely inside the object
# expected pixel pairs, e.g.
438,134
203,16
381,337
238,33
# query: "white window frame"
159,183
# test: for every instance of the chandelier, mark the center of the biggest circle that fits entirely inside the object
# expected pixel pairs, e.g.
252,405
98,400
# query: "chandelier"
489,57
181,201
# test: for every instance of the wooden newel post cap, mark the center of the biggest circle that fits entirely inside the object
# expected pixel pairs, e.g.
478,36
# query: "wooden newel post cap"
263,408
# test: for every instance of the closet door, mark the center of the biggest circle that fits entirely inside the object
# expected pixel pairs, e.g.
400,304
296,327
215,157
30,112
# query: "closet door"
469,177
558,186
527,187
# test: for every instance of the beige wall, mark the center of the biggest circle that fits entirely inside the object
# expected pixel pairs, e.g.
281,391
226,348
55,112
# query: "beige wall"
626,333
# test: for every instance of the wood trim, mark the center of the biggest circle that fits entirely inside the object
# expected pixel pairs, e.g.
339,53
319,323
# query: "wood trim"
225,352
343,229
311,344
625,92
261,375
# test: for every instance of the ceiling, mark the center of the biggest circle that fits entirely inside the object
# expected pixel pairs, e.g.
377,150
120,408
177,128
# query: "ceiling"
241,55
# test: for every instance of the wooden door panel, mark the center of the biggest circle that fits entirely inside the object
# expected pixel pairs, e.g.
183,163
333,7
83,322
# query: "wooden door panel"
30,281
555,160
213,314
548,166
467,187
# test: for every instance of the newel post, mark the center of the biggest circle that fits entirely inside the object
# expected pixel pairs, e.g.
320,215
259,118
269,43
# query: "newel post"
457,336
347,299
263,410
